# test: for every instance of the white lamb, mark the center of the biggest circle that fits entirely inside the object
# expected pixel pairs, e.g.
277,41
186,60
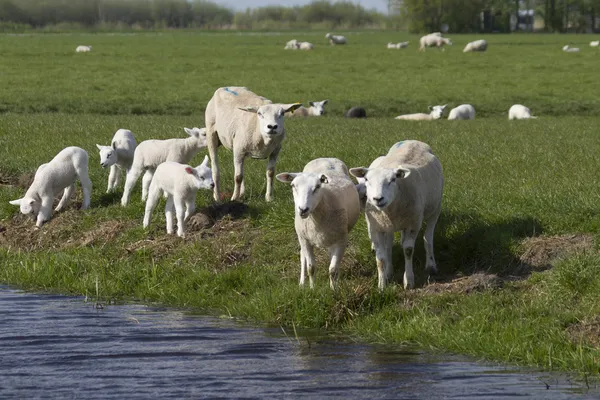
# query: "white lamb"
404,189
436,113
432,40
326,208
477,45
305,46
317,108
50,178
519,111
179,184
595,43
118,156
400,45
83,49
151,153
464,111
336,39
250,126
291,45
566,48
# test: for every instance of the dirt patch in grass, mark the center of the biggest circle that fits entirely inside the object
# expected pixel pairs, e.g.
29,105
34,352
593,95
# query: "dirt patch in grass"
586,332
477,282
539,253
22,181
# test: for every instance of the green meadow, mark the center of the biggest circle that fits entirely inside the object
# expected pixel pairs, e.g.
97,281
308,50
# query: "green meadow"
519,277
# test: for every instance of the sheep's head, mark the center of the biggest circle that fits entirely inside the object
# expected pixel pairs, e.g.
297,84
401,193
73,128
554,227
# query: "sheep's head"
306,188
380,183
108,155
203,175
199,134
437,111
27,205
328,36
270,117
318,106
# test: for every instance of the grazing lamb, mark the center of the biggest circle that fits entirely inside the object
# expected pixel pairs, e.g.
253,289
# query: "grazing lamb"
595,43
50,178
477,45
305,46
118,156
519,111
433,41
151,153
179,184
356,112
464,111
326,208
404,189
336,39
400,45
436,113
568,49
316,109
83,49
250,126
291,45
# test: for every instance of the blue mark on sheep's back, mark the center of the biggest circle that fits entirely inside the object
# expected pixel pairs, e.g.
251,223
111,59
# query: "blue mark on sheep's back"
397,144
233,92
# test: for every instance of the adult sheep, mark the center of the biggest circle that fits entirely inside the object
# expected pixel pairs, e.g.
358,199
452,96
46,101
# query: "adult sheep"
305,46
356,112
83,49
477,45
250,126
403,190
336,39
433,41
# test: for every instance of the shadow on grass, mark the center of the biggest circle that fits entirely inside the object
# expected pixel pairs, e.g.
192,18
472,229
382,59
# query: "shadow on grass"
107,199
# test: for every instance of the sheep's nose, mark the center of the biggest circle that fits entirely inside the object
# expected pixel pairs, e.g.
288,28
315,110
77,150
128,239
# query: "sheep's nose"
303,211
377,199
272,127
212,185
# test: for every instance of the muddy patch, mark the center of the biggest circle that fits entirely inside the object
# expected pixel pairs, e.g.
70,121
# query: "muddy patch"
585,332
539,253
478,282
22,181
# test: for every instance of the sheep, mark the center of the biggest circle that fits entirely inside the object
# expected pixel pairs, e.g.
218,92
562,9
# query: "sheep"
250,126
336,39
305,46
404,189
83,49
464,111
595,43
50,178
151,153
433,40
317,108
179,184
356,112
519,111
118,156
477,45
436,113
400,45
439,34
568,49
327,207
291,45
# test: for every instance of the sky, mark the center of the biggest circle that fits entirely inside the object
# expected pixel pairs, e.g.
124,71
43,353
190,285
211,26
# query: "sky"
238,5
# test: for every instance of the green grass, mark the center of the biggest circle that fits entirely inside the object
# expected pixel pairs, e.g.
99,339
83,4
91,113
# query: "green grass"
505,182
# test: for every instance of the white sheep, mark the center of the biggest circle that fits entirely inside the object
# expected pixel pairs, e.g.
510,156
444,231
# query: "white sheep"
291,45
464,111
83,49
149,154
595,43
436,113
566,48
432,40
305,46
118,156
326,207
250,126
400,45
403,189
477,45
50,178
317,108
519,111
179,184
336,39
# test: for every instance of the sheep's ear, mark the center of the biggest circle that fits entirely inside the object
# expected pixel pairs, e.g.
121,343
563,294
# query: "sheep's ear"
359,172
286,177
189,131
311,103
444,106
249,109
16,202
114,145
324,179
325,102
98,146
190,170
205,162
291,107
401,172
430,108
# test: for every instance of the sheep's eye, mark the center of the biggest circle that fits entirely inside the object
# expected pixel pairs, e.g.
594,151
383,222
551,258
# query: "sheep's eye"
259,114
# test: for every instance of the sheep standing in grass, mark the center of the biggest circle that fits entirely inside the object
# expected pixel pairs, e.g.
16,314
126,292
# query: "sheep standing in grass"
464,111
336,39
432,40
317,108
403,190
519,111
250,126
326,208
150,154
179,184
436,113
477,45
83,49
595,43
566,48
50,178
118,156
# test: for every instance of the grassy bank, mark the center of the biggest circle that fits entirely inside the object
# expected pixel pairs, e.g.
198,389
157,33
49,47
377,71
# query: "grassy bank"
519,271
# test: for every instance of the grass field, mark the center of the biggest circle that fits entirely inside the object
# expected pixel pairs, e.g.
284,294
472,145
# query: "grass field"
519,268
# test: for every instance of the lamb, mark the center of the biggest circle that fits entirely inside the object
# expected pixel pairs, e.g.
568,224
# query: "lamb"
326,208
179,184
436,113
250,126
519,111
568,49
305,46
50,178
400,45
356,112
83,49
291,45
595,43
316,109
477,45
118,156
464,111
151,153
336,39
433,40
404,189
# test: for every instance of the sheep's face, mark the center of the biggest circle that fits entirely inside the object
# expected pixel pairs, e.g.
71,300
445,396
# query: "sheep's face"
198,133
437,111
318,107
307,190
108,155
27,206
203,175
270,117
380,184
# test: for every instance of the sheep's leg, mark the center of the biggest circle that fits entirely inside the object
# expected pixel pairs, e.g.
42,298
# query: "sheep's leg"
409,236
238,165
65,197
132,176
153,198
86,185
336,253
271,173
430,264
117,178
190,207
311,267
169,208
383,255
112,177
180,212
303,262
212,141
45,211
146,180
